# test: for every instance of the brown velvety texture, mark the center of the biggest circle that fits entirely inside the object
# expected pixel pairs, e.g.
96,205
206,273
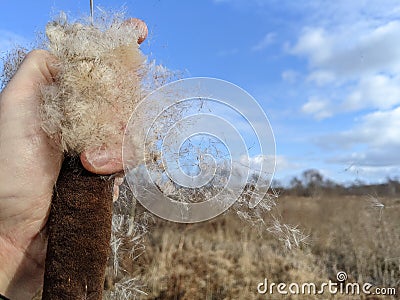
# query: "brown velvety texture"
79,235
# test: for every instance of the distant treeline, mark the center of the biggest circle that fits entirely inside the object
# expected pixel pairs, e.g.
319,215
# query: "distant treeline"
312,183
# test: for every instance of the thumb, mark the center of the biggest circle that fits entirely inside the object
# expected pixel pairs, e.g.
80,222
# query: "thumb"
104,160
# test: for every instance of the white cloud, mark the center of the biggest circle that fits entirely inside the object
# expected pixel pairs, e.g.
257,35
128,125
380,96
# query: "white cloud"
374,141
371,91
361,62
315,44
319,108
375,91
267,40
351,51
321,77
373,51
283,164
290,76
381,173
262,165
379,129
279,163
376,157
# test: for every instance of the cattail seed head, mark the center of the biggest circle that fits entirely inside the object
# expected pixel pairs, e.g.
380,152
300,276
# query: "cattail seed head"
98,84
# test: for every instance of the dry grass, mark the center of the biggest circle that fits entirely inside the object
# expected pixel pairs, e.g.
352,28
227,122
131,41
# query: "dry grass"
227,257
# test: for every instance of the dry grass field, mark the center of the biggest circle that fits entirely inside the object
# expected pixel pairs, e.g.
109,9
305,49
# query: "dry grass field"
227,257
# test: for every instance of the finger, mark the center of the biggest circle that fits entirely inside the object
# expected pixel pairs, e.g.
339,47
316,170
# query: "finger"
103,161
140,26
38,67
20,100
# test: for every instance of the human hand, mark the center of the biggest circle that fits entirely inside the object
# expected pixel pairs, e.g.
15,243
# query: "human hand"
29,166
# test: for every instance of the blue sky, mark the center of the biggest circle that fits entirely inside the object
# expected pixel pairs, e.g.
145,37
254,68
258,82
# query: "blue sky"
326,73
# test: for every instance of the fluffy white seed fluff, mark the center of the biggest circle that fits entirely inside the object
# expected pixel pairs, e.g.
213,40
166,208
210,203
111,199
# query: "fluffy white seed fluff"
98,84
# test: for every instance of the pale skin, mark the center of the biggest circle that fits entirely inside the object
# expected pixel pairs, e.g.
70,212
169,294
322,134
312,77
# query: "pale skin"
29,166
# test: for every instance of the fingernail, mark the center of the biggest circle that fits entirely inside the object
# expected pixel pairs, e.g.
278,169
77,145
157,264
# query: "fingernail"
140,26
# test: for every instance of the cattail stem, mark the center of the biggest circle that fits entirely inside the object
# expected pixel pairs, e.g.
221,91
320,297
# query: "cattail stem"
79,235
